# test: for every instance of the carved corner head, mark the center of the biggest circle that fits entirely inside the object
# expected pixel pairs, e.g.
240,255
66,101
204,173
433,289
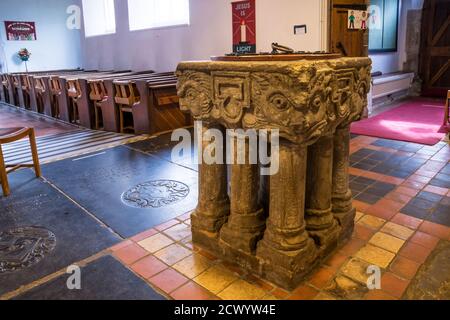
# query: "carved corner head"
194,92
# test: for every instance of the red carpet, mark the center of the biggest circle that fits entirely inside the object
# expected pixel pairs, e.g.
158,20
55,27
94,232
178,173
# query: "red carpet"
418,121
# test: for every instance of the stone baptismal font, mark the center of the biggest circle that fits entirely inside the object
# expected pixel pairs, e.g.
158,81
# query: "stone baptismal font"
281,226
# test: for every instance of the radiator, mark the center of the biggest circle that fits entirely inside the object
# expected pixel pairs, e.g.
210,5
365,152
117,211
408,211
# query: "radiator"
390,84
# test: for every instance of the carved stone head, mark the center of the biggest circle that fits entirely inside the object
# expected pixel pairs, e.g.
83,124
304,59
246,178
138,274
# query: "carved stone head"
296,105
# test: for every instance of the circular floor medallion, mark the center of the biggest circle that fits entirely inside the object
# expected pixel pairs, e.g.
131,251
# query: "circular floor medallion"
23,247
155,194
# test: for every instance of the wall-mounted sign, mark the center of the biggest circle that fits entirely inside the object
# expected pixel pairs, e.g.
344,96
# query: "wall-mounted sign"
244,26
20,31
357,19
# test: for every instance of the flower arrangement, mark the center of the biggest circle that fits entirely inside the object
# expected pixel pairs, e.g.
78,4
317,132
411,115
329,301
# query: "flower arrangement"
24,54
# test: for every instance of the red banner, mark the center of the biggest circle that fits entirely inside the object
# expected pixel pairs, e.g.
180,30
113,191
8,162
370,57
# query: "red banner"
20,31
244,26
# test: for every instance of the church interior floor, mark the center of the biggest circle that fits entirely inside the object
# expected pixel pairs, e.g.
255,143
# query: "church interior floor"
84,211
12,117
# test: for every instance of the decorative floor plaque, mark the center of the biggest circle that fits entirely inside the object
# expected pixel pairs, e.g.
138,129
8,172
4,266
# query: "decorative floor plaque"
155,194
23,247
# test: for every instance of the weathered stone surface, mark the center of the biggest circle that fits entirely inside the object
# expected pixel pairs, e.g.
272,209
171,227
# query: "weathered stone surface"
432,282
280,227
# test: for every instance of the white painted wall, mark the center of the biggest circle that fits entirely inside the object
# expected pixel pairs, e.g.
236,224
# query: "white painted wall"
210,33
56,47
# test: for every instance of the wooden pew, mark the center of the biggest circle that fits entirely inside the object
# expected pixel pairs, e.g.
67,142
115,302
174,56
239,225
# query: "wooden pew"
22,90
153,104
78,91
106,103
61,106
4,88
103,102
47,103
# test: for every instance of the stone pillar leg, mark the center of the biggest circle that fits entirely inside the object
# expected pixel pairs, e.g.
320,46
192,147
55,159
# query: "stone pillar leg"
342,196
286,251
246,223
213,204
320,221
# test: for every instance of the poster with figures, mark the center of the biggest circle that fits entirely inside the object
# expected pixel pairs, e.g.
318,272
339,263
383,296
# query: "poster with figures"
358,19
20,31
244,26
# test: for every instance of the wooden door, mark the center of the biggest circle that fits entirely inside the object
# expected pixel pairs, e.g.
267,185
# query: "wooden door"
352,43
435,48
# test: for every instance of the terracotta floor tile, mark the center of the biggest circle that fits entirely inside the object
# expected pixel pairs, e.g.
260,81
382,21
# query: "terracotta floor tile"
361,206
407,191
362,232
216,279
155,243
242,290
437,190
387,242
205,253
263,284
130,254
191,291
379,295
168,280
303,292
280,293
432,165
405,268
375,255
424,239
435,229
415,252
321,278
167,225
397,230
270,297
351,247
144,235
325,296
336,260
185,216
372,222
426,173
358,216
172,254
406,221
414,185
356,269
380,210
398,197
419,178
148,267
178,232
389,179
193,265
393,285
121,245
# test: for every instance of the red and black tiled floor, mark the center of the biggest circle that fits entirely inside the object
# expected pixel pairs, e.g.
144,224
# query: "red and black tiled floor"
401,192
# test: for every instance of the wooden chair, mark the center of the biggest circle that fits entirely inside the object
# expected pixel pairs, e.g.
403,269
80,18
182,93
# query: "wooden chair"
9,135
447,109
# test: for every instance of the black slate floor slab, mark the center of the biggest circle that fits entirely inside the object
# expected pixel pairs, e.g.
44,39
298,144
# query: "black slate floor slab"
34,203
98,183
162,147
104,279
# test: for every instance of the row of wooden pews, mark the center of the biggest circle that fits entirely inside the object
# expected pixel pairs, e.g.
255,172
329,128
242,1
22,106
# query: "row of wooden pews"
118,101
